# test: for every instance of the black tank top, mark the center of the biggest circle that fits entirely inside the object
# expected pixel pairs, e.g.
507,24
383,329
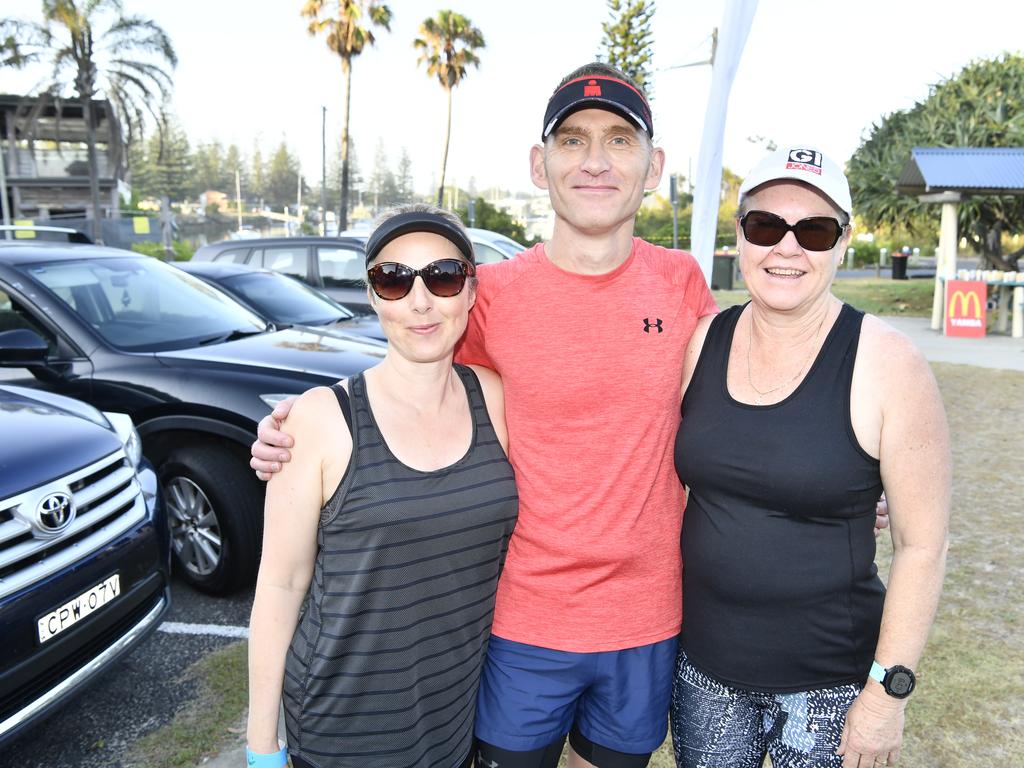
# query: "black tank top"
780,589
384,666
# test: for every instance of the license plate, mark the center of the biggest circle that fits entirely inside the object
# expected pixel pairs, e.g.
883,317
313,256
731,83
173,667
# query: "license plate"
73,611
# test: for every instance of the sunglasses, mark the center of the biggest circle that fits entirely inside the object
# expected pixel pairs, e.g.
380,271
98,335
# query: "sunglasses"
816,233
444,278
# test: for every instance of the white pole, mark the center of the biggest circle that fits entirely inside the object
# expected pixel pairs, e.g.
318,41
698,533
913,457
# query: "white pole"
732,37
945,267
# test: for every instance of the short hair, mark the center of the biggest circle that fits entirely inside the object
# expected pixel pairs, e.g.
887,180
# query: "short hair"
600,69
448,216
398,210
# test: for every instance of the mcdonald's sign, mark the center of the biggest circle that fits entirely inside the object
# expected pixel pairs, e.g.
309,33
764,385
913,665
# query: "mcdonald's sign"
965,307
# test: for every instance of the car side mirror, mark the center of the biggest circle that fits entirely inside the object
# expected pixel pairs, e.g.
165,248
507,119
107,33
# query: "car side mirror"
22,347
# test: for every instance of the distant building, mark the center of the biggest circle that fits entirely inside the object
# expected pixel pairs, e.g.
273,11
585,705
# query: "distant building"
46,160
212,197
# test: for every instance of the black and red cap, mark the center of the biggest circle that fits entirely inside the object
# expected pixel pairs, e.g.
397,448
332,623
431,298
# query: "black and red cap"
598,92
418,221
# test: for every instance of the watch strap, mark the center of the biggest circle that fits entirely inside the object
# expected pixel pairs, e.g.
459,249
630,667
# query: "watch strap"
877,672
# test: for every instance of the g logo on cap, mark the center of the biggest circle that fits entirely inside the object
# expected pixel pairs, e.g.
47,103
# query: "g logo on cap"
805,157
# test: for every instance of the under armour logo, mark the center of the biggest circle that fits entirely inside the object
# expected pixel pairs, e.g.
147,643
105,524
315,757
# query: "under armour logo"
656,324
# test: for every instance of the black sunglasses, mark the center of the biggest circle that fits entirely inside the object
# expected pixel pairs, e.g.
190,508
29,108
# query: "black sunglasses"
444,278
815,233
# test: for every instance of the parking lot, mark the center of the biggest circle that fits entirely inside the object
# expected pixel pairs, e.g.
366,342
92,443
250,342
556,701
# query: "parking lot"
142,693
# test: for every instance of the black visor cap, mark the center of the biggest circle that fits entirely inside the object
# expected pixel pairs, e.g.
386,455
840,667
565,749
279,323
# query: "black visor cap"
418,221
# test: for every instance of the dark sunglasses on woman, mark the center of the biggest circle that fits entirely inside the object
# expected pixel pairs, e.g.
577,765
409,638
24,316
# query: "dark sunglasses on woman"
444,278
815,233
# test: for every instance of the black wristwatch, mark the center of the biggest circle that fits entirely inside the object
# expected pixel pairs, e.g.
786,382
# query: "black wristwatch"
898,681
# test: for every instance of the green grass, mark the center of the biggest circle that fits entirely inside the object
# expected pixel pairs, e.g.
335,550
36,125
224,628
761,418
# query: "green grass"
911,298
212,719
966,711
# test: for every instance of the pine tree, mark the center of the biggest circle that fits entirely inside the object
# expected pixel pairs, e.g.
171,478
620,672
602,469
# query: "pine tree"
170,158
383,186
628,38
404,180
282,177
257,176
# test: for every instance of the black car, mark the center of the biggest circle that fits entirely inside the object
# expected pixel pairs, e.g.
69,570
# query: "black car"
84,549
194,369
281,300
335,265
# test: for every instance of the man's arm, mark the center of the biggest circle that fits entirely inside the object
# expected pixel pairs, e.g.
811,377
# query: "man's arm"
270,450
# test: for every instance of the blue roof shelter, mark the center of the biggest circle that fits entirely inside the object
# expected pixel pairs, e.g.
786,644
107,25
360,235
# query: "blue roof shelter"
948,174
967,170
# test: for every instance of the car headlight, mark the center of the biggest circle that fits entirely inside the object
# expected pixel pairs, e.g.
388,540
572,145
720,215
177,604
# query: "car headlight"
273,399
125,429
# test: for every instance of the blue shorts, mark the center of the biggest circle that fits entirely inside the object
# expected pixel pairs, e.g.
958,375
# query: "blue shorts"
530,696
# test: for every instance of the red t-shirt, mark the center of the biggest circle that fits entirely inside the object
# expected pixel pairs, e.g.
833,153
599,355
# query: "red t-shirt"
591,366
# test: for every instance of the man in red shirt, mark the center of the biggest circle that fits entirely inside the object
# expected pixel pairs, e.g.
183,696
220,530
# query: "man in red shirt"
588,333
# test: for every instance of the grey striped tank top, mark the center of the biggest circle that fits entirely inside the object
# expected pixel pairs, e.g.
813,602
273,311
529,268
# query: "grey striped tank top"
384,666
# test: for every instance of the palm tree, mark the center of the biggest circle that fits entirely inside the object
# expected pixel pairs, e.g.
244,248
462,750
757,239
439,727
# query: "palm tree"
448,45
93,49
347,38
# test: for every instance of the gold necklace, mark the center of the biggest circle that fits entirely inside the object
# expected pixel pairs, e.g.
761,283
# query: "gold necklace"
787,382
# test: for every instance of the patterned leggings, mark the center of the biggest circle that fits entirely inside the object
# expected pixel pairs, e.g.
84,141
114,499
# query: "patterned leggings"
717,726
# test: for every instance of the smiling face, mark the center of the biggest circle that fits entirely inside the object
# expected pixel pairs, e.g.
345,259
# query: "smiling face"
422,327
786,276
596,166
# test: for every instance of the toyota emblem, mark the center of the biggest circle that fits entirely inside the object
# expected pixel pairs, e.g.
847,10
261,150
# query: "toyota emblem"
55,512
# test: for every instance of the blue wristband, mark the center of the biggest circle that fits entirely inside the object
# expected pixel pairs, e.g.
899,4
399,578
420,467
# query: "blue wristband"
277,759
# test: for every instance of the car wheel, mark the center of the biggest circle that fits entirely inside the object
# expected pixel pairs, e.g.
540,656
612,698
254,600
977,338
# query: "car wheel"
215,509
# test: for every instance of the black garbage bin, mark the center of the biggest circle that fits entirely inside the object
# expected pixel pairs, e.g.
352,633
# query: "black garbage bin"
722,271
899,266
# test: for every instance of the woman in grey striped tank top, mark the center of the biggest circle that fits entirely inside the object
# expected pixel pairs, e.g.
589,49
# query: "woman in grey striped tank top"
391,523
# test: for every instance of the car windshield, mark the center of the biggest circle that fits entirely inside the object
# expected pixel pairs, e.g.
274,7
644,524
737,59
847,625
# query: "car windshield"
139,304
283,300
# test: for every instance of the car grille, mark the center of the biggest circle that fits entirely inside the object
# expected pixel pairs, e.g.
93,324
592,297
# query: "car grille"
109,502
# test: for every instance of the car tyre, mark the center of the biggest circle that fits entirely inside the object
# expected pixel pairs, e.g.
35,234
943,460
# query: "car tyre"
214,507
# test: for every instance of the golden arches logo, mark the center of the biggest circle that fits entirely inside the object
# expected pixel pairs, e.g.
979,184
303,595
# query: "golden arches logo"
966,300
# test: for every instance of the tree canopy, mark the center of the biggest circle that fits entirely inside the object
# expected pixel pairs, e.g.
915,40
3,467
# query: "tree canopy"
348,28
981,106
448,44
94,50
627,39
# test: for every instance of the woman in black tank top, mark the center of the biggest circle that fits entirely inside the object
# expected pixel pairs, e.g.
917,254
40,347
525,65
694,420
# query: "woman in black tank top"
797,409
391,524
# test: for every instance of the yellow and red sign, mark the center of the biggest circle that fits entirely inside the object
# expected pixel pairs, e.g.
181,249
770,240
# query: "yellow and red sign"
965,308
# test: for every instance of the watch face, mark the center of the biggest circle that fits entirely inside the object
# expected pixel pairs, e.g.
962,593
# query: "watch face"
900,684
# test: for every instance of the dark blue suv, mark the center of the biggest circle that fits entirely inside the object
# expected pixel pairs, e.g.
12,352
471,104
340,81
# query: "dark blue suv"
84,547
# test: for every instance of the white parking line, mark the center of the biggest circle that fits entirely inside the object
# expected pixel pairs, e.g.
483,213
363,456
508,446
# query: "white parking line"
220,630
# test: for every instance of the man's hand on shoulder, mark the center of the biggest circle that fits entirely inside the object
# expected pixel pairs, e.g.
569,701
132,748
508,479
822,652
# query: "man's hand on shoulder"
269,451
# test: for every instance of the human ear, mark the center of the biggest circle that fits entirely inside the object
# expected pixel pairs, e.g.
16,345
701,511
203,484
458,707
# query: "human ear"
657,165
538,173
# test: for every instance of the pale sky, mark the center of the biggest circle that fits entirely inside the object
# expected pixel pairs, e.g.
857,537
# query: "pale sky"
812,71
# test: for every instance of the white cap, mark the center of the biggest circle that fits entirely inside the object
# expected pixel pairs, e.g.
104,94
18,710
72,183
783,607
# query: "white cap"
804,164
